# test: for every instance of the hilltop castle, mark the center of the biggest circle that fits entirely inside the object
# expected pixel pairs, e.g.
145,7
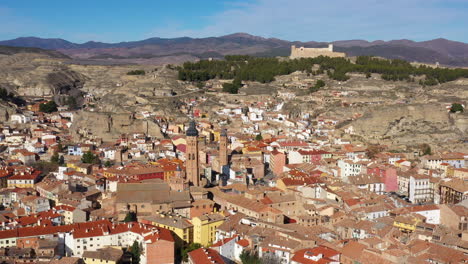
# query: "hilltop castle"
314,52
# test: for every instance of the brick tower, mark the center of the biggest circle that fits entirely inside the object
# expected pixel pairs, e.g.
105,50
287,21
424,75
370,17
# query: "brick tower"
192,166
223,154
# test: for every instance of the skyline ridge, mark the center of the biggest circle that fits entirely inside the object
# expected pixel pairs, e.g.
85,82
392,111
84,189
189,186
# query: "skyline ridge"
236,34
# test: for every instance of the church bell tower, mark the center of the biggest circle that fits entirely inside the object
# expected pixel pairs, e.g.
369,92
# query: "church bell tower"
192,162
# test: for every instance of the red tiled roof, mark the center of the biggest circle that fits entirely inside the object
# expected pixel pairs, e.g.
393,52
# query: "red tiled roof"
243,242
64,207
327,253
204,256
223,241
266,200
300,181
153,233
293,144
25,176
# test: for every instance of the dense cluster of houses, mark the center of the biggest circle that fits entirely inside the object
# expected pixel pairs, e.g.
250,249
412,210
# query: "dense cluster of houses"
258,182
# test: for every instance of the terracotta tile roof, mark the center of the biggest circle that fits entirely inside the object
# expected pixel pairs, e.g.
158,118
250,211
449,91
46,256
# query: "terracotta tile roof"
353,250
300,181
25,176
458,185
107,254
106,229
224,241
304,256
415,209
293,144
89,229
205,256
64,207
243,242
66,260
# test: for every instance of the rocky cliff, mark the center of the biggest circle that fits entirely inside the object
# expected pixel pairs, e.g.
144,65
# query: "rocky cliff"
411,125
38,75
109,126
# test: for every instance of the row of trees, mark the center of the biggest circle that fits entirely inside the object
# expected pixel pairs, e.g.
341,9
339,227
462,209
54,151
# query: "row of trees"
10,97
48,107
136,72
232,88
319,84
90,158
264,70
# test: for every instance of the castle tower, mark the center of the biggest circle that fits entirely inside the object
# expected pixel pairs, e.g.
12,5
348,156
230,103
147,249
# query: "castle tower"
293,52
192,166
223,154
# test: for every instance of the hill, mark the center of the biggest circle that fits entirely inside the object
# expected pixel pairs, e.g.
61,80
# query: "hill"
9,50
157,50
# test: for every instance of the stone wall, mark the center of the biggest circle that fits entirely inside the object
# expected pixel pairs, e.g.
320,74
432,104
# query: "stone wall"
302,52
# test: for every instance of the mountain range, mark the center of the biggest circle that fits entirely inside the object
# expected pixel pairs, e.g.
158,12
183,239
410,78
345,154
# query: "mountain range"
444,51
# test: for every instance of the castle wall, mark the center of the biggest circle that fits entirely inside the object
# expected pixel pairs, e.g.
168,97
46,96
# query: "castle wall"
302,52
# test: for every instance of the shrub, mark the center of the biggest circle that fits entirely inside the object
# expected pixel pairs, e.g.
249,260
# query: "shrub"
136,72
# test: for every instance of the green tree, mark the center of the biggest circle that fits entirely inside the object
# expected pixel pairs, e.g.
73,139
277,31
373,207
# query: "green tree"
200,85
232,88
136,72
319,84
248,257
456,108
61,161
45,167
130,217
59,147
71,102
3,94
188,248
55,158
258,137
48,107
90,158
426,149
108,163
265,69
135,251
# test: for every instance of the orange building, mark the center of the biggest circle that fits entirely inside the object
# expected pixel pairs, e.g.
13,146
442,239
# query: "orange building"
277,162
160,248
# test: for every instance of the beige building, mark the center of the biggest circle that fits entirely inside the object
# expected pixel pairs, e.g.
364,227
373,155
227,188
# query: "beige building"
302,52
150,197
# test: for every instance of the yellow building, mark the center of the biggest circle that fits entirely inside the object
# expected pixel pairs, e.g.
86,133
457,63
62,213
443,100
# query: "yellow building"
178,225
80,167
461,173
406,223
23,180
251,150
171,168
204,228
216,135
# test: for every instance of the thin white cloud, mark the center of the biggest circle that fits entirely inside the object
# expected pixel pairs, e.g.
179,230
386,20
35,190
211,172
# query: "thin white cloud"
334,19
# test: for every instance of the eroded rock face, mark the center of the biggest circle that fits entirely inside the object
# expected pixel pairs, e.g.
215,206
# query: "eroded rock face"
109,126
408,124
37,75
5,112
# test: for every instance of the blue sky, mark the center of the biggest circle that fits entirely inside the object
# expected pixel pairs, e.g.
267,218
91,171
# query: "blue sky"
305,20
